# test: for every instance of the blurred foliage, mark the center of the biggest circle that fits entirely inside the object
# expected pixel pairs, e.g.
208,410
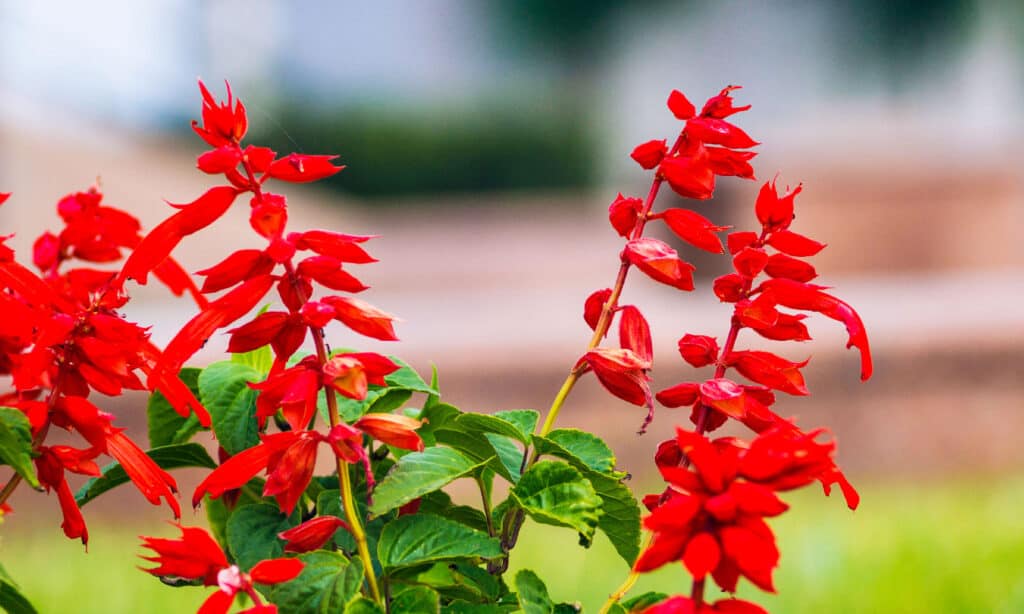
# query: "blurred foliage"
407,151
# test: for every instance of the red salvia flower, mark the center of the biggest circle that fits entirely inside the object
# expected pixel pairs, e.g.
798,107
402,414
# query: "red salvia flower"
312,534
196,556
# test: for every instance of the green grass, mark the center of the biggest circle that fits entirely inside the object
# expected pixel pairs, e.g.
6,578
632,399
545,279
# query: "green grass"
920,547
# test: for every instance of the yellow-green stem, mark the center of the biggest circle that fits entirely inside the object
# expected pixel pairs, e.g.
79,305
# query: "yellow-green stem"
348,503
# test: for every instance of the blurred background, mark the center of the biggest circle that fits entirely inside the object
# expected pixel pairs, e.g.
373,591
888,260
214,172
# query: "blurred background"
484,140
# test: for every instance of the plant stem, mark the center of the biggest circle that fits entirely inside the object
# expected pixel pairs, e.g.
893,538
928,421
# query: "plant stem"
348,503
486,498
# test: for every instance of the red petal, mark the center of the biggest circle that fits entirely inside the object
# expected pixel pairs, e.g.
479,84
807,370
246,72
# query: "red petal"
395,430
158,244
153,482
275,571
680,106
718,132
302,168
781,265
634,333
342,247
257,333
623,214
794,244
695,229
312,534
701,555
594,305
362,317
680,395
242,467
649,154
698,350
660,262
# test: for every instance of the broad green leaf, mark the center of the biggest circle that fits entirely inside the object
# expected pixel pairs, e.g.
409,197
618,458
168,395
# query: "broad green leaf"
574,444
11,599
459,581
509,454
617,608
327,582
556,493
620,519
416,600
217,511
435,417
166,426
533,595
644,601
423,538
16,444
566,608
475,447
362,605
440,504
167,457
524,419
252,533
418,473
460,606
260,359
406,377
484,423
224,390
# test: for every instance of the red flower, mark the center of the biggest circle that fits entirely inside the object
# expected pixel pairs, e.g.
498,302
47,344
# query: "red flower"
680,106
660,262
351,374
289,458
302,168
770,370
634,333
223,123
312,534
685,605
693,228
698,350
362,317
51,464
196,556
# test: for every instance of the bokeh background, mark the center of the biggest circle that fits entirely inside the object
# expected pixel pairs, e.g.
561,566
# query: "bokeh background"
484,140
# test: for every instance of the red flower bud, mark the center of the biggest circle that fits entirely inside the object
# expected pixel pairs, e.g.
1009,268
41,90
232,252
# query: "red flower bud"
737,241
694,228
220,160
594,305
392,429
781,265
698,350
728,288
312,534
623,214
690,177
621,372
634,333
302,168
750,261
660,262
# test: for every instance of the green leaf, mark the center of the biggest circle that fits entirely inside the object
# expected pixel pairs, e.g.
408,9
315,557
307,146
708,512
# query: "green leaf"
440,504
327,582
617,608
482,423
11,599
252,533
644,601
509,454
16,444
260,359
533,595
167,457
423,538
620,519
459,581
224,390
218,512
464,607
418,473
362,605
475,447
577,445
416,600
166,426
407,378
524,419
556,493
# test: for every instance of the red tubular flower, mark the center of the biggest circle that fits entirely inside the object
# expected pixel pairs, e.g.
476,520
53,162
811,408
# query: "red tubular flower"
302,168
694,228
728,162
293,391
158,244
312,534
392,429
51,464
239,266
342,247
327,272
351,374
690,176
660,262
196,556
153,482
621,372
362,317
770,370
223,123
773,211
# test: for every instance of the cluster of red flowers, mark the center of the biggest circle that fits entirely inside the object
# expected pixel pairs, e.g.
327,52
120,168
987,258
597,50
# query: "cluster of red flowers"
711,515
62,338
288,458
